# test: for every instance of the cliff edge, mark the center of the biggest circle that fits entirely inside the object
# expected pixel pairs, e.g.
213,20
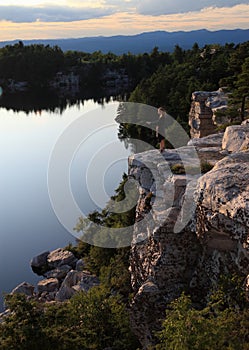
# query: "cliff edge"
199,224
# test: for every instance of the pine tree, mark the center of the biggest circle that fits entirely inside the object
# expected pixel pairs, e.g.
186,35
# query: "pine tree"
241,92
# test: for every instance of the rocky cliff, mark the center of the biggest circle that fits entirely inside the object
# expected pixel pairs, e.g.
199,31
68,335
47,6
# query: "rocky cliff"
203,116
201,224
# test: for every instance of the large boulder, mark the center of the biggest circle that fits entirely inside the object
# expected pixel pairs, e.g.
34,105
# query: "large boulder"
80,265
214,140
209,148
60,257
148,296
39,263
223,209
24,288
48,285
66,290
59,273
236,138
207,112
76,281
47,261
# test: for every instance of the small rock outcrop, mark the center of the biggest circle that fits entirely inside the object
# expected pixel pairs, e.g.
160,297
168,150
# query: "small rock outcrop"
24,288
209,148
64,275
236,138
67,289
76,281
57,259
198,228
59,273
202,118
39,262
48,285
61,257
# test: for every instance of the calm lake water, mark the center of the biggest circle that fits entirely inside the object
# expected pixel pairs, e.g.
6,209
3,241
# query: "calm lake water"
28,224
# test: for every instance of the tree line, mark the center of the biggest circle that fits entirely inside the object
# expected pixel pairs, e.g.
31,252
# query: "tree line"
156,78
37,64
203,69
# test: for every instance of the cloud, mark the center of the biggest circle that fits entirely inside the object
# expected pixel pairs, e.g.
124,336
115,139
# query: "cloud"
127,23
77,10
23,14
159,7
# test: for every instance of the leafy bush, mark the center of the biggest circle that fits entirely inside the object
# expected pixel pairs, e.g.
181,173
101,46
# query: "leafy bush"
181,169
206,166
222,324
93,320
178,169
211,328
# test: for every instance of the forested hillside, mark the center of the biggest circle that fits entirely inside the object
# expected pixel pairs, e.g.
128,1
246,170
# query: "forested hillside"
157,78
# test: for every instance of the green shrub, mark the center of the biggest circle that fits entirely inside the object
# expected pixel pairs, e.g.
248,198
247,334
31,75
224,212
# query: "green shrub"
222,325
186,328
205,167
180,169
94,320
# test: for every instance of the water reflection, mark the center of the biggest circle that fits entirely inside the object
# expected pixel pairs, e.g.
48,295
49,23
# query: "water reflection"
38,100
28,225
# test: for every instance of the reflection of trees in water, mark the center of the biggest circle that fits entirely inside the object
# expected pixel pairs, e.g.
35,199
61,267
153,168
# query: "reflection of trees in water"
133,128
40,100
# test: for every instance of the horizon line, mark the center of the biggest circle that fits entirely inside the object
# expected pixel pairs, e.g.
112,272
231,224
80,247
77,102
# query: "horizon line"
125,35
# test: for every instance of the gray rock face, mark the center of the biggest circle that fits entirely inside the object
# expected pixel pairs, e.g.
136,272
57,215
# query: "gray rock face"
61,257
66,290
203,119
55,260
200,115
164,245
236,138
209,148
212,242
214,140
39,263
48,285
59,273
245,122
222,221
75,281
24,288
80,265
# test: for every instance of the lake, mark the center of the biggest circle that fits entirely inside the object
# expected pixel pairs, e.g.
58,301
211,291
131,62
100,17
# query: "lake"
28,224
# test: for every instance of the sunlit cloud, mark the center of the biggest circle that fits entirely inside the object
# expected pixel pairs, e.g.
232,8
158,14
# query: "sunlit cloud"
76,10
130,23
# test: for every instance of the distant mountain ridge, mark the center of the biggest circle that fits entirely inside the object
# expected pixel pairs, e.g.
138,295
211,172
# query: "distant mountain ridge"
144,42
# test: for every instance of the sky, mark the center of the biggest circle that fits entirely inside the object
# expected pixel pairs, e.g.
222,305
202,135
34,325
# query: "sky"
45,19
